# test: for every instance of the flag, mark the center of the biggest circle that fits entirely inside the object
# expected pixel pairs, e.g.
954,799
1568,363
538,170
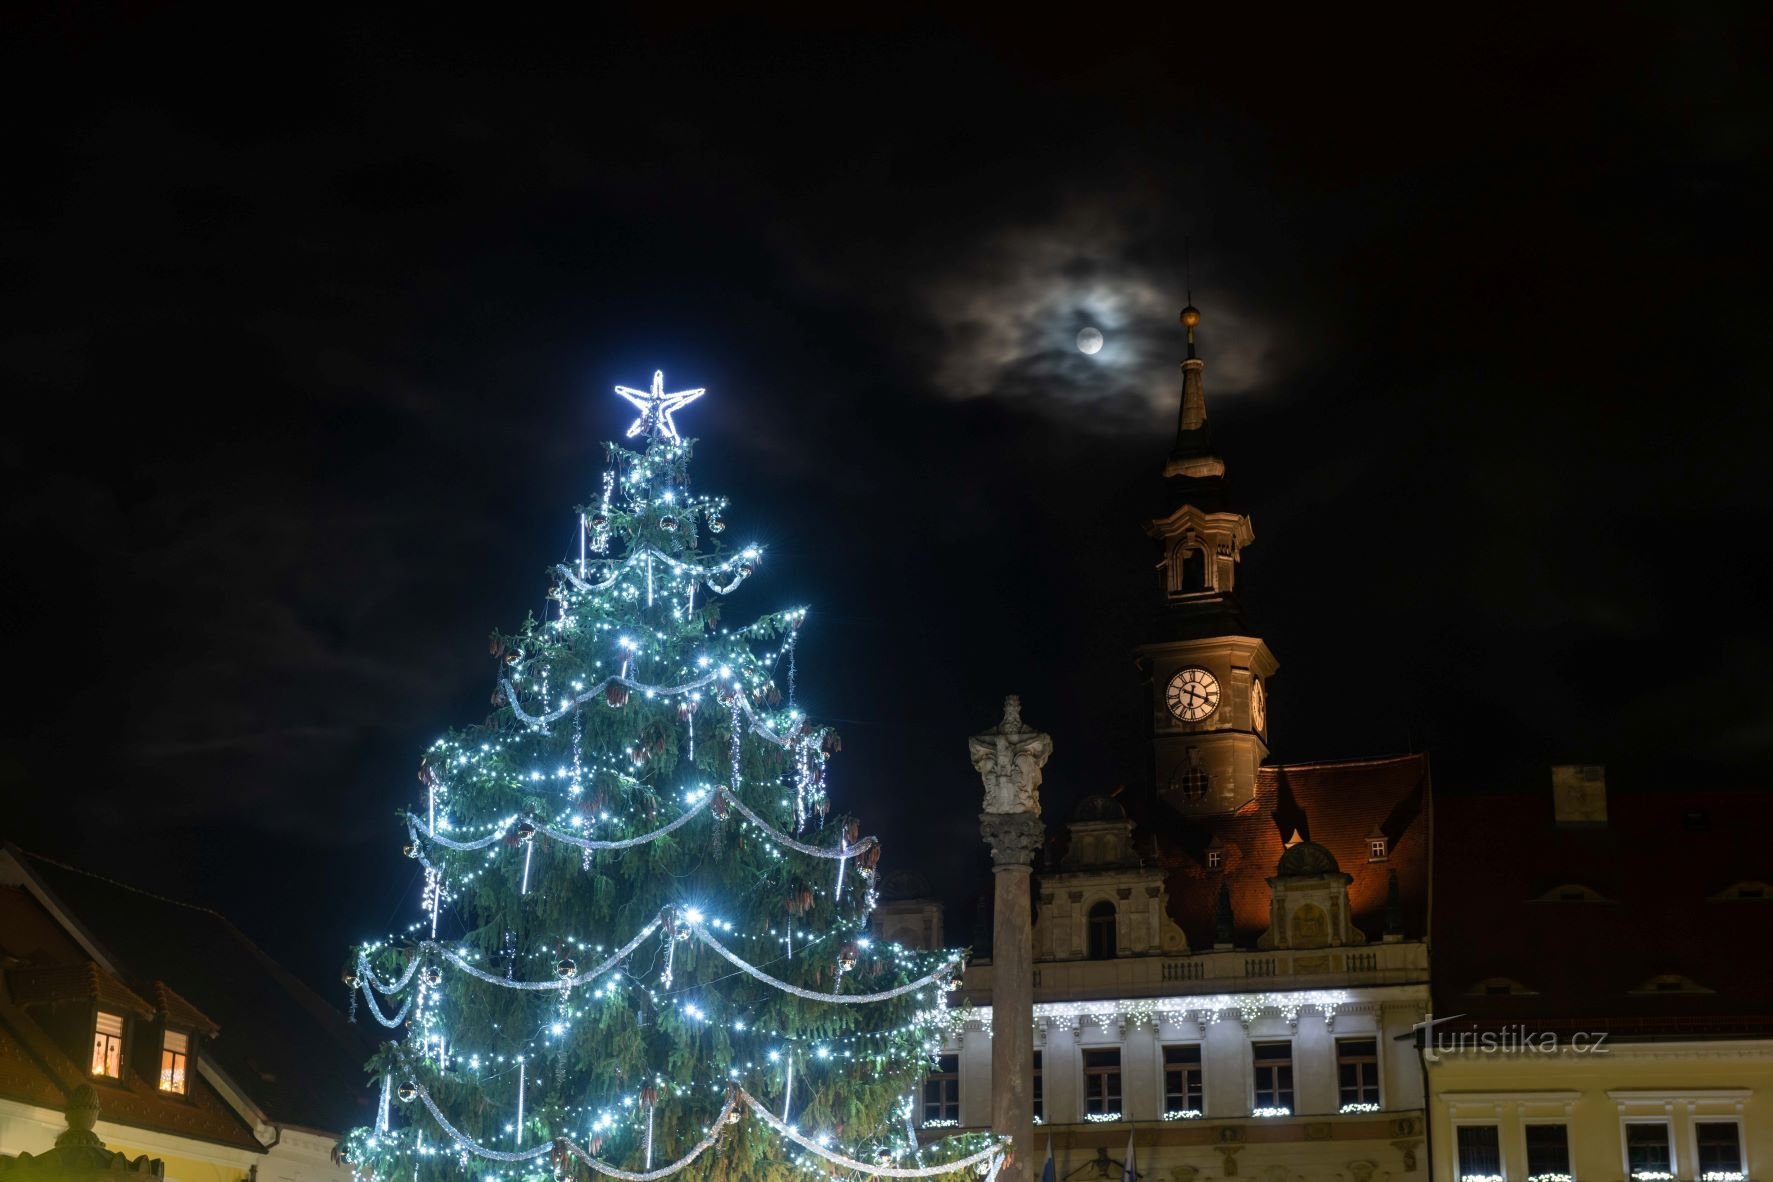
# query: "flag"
1127,1172
1046,1171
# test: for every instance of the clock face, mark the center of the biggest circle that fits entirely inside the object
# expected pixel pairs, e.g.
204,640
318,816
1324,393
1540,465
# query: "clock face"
1193,694
1258,705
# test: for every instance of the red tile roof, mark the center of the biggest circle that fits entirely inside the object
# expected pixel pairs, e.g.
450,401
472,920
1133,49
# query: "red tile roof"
1338,805
47,984
38,1063
293,1054
1656,864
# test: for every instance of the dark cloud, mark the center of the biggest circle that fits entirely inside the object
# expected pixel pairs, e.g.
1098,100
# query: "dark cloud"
311,331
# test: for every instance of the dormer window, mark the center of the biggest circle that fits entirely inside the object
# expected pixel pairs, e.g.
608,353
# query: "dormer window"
1215,859
1378,849
107,1045
175,1056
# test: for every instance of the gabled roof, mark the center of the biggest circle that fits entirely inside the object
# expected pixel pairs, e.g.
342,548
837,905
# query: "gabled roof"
1335,805
1661,864
37,1051
180,1012
293,1055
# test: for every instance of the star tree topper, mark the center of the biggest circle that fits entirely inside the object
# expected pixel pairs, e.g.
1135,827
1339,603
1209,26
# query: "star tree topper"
656,406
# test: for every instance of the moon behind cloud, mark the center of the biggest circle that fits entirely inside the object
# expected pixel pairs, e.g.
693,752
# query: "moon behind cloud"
1090,340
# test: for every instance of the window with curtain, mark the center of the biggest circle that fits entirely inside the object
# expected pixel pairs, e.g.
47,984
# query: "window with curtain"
175,1050
1548,1152
1480,1153
1719,1145
1648,1155
107,1045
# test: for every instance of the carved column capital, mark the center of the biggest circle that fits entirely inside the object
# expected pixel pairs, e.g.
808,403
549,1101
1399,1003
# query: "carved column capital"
1014,838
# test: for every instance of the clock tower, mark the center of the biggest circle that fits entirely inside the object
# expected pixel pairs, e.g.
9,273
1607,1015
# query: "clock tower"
1208,674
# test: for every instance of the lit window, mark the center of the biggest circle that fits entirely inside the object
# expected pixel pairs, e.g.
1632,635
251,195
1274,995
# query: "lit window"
1274,1075
1378,849
1182,1078
1102,940
1215,859
1548,1152
1357,1071
1648,1156
1719,1145
107,1045
1102,1082
941,1091
1040,1098
1480,1154
174,1054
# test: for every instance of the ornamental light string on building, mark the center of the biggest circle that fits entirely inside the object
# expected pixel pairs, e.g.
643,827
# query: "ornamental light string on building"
634,947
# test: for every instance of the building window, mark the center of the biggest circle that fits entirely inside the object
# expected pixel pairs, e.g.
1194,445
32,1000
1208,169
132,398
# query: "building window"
1719,1145
107,1045
1191,778
1215,859
1548,1153
1648,1154
1480,1154
941,1091
1194,571
1102,1082
1182,1078
175,1052
1274,1077
1357,1073
1102,941
1378,849
1040,1094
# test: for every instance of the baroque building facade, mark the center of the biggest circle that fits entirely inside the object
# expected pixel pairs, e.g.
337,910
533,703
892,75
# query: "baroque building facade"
1227,967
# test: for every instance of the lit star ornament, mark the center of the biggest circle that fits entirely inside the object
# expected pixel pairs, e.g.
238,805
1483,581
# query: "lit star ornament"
656,407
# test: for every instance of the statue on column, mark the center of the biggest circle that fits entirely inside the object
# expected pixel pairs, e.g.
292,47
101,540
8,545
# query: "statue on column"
1009,758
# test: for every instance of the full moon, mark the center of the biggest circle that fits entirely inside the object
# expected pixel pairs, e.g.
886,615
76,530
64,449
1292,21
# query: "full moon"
1089,340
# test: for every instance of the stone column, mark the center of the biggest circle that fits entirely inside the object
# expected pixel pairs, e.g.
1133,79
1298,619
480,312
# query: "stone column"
1009,758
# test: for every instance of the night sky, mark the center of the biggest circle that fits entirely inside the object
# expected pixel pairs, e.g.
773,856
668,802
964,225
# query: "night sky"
311,325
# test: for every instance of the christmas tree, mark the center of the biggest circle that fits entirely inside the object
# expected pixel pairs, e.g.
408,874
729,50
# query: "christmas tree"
644,946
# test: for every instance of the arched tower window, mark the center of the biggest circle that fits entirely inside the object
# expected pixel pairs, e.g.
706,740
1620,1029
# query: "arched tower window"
1102,941
1194,570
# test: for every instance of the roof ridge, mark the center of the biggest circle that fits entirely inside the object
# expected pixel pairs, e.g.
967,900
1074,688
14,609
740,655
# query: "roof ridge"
105,878
297,989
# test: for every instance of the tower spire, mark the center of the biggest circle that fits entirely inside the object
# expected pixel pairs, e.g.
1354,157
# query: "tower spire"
1193,454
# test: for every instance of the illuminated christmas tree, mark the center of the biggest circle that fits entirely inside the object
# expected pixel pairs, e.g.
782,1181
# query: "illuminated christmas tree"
644,947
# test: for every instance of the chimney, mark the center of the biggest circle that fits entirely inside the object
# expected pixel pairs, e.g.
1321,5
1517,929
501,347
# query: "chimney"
1579,794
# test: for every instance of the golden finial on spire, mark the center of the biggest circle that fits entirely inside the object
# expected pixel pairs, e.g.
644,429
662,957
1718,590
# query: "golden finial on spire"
1190,317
